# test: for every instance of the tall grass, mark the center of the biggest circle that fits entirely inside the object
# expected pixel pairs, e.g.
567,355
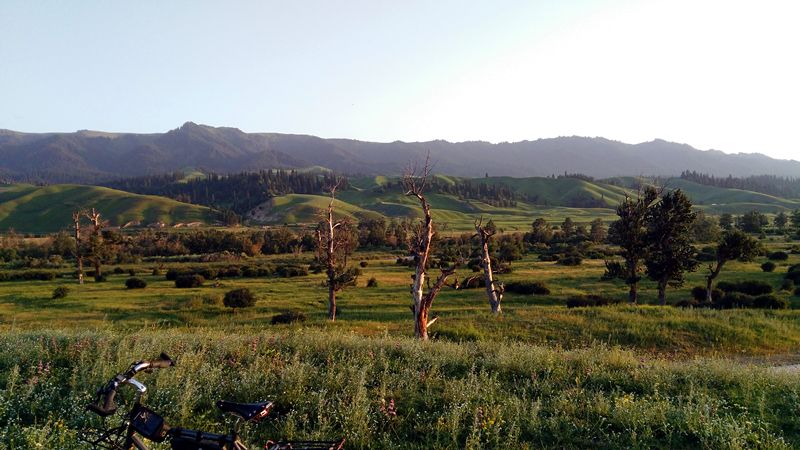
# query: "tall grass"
444,394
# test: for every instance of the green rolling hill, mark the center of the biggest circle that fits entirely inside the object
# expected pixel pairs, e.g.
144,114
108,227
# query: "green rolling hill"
39,209
550,198
30,208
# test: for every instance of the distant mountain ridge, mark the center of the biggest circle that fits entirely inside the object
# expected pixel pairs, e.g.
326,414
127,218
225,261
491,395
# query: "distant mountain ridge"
90,156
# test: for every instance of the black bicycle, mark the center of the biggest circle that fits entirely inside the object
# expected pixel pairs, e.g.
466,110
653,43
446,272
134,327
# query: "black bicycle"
142,422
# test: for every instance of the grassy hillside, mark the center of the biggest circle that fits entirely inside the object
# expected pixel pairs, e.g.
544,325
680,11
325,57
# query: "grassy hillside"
551,198
38,209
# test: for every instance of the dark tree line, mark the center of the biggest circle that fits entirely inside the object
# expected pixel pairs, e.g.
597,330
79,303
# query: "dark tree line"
766,184
235,192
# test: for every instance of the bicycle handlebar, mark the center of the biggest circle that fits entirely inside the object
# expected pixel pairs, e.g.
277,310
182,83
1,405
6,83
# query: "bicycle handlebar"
105,395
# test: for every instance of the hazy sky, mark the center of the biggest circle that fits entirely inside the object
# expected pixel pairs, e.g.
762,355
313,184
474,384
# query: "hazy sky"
715,74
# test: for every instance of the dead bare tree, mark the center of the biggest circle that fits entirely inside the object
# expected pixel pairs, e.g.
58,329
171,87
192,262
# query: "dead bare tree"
334,244
494,290
415,181
96,243
76,226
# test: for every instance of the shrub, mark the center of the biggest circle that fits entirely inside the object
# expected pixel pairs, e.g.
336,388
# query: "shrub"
794,276
614,270
797,291
230,272
212,299
770,302
118,270
588,300
28,275
101,278
173,274
156,272
473,282
239,298
787,285
363,264
189,281
372,283
528,288
687,304
768,266
749,287
570,261
60,292
132,272
288,317
778,256
135,283
249,272
735,300
699,294
288,271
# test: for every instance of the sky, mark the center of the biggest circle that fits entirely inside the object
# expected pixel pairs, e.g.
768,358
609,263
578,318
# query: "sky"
721,74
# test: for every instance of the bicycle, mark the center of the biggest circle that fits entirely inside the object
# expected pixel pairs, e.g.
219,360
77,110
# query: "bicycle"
142,422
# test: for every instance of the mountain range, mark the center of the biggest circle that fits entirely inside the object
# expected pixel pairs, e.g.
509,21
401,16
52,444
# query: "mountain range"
92,156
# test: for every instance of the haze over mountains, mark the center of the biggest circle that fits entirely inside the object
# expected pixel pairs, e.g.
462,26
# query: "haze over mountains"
90,156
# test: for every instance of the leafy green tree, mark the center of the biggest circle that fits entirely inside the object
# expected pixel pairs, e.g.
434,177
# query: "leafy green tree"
567,228
540,231
704,228
630,233
780,221
734,244
726,221
598,231
752,222
796,220
670,252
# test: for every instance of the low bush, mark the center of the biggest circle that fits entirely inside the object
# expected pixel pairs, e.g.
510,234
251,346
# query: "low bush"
118,270
778,256
102,278
614,270
749,287
770,302
787,285
579,301
372,283
239,298
768,266
189,281
473,282
797,292
699,294
288,317
60,292
363,264
735,300
28,275
570,261
132,272
156,272
173,274
686,304
135,283
528,288
288,271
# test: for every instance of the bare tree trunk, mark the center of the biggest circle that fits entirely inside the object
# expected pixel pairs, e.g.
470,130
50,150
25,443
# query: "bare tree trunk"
662,292
420,245
494,295
97,226
76,219
633,293
713,273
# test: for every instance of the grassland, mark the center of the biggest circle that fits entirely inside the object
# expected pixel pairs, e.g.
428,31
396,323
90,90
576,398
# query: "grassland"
369,197
40,209
540,375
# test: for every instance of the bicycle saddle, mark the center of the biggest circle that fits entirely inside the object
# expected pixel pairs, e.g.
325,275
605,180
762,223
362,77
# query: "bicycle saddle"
254,412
